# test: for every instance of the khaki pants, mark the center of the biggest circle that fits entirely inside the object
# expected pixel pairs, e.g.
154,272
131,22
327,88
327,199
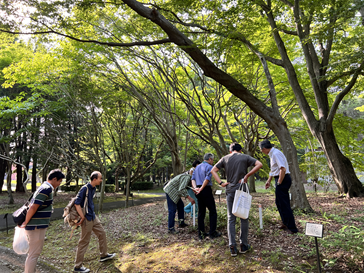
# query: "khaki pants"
86,229
36,241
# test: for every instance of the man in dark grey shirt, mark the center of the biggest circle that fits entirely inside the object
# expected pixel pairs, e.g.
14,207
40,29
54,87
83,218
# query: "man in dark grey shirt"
236,167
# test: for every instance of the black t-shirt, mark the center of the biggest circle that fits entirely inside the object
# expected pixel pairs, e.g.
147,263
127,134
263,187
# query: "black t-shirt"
236,167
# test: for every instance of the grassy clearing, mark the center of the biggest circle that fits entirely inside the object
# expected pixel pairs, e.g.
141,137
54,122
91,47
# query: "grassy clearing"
61,200
139,237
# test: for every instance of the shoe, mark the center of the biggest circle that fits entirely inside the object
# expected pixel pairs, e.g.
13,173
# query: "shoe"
215,234
244,248
81,269
283,226
173,231
182,225
233,251
290,231
107,257
203,236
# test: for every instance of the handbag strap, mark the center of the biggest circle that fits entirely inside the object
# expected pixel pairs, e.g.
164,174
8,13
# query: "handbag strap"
242,186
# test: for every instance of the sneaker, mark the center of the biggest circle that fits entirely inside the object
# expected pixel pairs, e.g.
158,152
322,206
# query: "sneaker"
233,251
182,225
244,248
203,236
81,269
173,231
215,234
107,257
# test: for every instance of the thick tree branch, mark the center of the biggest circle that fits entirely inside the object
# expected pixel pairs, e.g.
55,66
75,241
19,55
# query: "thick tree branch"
342,94
112,44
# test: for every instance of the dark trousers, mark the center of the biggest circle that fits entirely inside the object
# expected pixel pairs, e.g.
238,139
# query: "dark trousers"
283,203
172,208
206,200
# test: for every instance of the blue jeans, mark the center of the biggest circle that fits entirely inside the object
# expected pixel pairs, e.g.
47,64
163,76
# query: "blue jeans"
172,208
188,208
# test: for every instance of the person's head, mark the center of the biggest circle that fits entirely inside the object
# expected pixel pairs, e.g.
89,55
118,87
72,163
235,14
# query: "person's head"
265,146
96,178
195,163
55,177
235,147
209,158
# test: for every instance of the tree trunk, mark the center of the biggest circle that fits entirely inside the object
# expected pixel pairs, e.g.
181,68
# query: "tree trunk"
251,181
34,174
19,178
2,173
8,180
127,186
340,166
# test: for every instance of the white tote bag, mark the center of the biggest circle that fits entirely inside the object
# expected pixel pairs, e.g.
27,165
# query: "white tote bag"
242,202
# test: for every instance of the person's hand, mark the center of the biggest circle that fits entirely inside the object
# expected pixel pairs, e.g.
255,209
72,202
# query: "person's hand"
80,221
245,179
196,190
224,184
267,185
191,200
23,225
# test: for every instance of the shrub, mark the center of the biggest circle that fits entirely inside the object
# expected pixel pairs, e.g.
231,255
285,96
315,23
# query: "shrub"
142,186
68,188
109,188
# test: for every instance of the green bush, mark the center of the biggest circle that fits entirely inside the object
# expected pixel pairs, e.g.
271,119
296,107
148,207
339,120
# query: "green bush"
68,188
109,188
142,186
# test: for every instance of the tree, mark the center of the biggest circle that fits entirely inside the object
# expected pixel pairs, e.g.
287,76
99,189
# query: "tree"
270,114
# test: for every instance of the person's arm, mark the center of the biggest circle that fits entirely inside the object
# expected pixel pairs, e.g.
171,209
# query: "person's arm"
217,178
191,200
31,211
193,182
80,212
267,184
80,200
256,168
282,174
204,184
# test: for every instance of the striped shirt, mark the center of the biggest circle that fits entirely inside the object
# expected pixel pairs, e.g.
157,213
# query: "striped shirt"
44,198
176,188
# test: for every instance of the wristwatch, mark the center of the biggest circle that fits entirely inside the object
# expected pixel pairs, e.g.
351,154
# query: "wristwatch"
220,183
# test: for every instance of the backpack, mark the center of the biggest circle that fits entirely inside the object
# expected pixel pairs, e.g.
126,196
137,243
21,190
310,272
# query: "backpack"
70,213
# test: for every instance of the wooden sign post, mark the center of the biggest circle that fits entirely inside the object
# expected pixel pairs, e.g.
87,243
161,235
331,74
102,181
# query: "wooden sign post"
317,231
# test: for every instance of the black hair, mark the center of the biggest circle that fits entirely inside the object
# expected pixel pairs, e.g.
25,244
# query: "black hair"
56,173
195,163
235,147
265,144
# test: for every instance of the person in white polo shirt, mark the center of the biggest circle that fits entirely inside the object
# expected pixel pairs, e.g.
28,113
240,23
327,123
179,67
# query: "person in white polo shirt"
279,170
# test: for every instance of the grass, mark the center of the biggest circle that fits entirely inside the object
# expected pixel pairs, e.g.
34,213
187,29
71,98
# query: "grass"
139,237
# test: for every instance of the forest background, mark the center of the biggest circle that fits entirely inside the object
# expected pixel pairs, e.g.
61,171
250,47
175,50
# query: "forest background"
140,90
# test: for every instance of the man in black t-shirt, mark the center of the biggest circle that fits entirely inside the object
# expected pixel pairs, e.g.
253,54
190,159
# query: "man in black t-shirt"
236,167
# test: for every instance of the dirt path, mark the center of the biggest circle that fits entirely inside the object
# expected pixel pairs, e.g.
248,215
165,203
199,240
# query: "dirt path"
10,262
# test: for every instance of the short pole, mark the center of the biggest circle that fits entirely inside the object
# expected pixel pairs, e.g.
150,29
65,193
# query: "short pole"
318,256
260,216
6,219
193,214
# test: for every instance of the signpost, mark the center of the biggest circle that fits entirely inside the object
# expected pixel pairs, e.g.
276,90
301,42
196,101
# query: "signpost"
218,192
317,231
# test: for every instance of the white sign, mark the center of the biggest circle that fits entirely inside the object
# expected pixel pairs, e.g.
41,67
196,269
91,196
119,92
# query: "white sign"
315,230
218,192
